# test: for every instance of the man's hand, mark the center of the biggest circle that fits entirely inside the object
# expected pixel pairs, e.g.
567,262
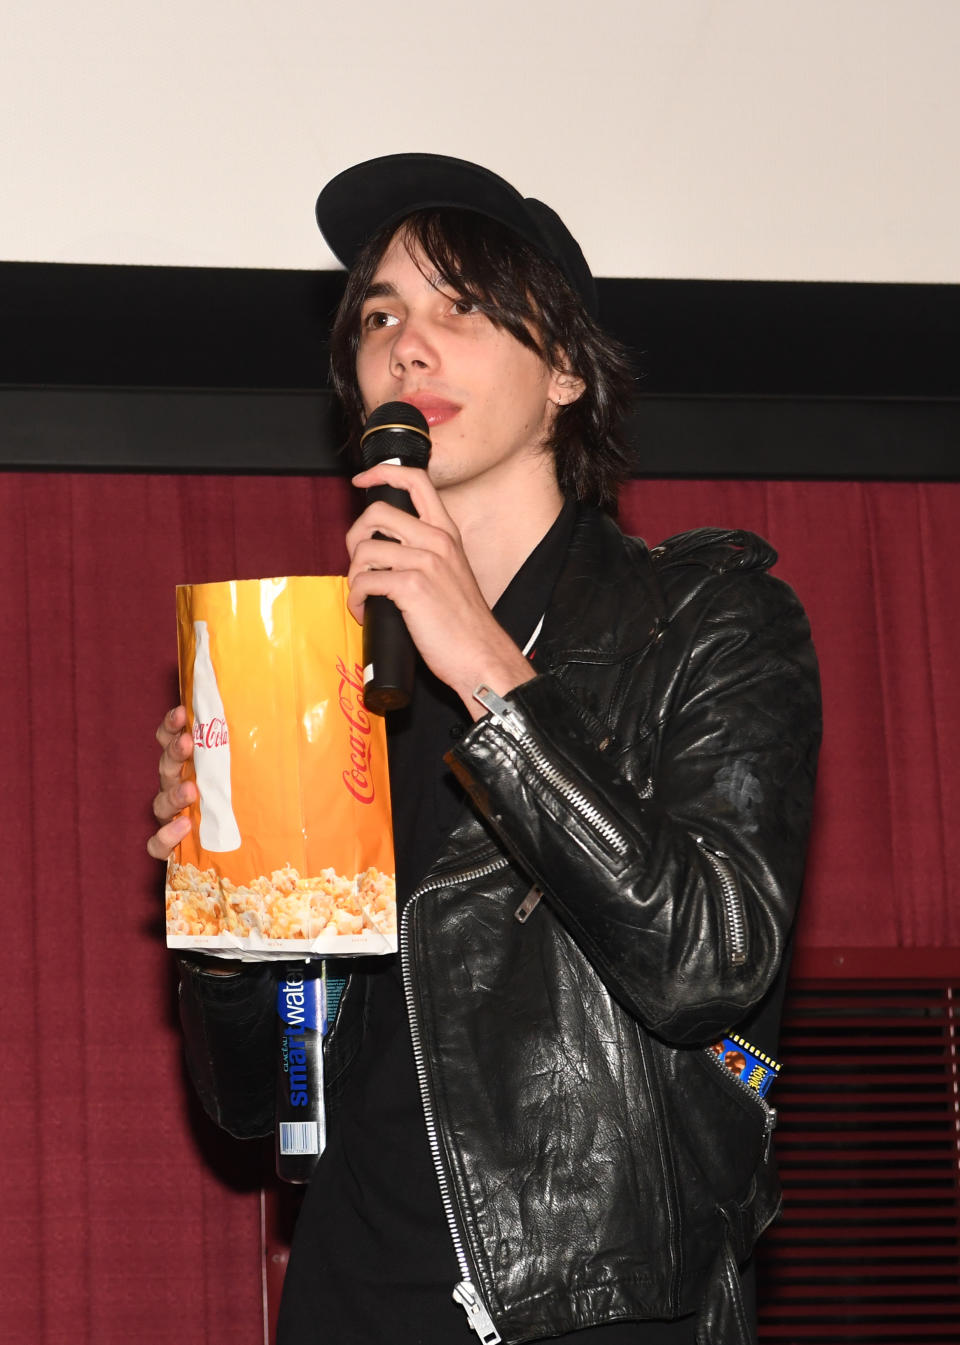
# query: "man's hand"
425,572
175,792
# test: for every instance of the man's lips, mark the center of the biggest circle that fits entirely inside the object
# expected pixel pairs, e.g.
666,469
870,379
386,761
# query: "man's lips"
435,410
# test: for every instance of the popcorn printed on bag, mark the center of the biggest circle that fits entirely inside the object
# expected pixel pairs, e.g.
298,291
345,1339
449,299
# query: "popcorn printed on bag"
283,906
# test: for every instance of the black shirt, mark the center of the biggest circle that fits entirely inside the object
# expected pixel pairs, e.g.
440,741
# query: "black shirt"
372,1257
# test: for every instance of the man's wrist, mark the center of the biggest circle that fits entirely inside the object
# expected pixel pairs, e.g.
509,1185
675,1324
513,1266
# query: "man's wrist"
501,678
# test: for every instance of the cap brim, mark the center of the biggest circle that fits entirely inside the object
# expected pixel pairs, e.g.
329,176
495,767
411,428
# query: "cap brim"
373,195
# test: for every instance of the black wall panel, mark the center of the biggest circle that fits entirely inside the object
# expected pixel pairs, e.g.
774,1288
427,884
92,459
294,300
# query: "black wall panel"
179,369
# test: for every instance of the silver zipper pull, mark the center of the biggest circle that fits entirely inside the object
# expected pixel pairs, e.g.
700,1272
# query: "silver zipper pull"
769,1126
477,1314
499,711
529,904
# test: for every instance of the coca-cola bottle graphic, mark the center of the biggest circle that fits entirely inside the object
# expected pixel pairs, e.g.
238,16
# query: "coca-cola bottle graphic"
211,752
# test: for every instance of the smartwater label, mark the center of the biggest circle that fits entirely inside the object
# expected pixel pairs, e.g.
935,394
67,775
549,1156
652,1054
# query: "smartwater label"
301,1002
301,1022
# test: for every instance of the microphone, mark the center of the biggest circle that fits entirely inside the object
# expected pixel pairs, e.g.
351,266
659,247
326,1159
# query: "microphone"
395,432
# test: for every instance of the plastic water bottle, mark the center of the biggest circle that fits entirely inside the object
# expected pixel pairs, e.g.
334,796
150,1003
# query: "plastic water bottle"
301,1132
211,752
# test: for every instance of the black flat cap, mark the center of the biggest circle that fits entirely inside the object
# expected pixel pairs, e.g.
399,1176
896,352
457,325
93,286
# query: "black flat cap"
358,202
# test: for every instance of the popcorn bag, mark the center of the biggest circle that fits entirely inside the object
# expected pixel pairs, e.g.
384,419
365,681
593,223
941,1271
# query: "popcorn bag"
291,848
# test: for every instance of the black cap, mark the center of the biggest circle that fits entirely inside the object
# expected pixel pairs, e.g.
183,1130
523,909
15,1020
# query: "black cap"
358,202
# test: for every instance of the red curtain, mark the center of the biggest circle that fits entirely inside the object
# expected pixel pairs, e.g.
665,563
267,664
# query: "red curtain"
125,1216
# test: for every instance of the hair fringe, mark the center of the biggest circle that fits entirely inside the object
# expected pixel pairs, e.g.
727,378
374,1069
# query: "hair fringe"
523,292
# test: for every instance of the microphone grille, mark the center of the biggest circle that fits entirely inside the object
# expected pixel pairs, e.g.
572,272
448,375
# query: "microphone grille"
396,430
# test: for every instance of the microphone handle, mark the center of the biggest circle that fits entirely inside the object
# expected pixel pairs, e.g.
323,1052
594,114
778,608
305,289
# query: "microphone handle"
400,499
388,652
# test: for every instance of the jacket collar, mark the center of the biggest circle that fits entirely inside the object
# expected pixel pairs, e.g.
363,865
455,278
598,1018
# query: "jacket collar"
606,605
607,602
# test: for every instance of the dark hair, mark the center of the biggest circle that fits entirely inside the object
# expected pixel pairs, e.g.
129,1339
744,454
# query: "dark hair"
527,295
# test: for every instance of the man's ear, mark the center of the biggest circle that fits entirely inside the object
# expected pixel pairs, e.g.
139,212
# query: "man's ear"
565,387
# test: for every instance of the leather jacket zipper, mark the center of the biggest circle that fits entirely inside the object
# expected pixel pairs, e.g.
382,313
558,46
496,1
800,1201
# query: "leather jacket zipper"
502,715
465,1293
732,901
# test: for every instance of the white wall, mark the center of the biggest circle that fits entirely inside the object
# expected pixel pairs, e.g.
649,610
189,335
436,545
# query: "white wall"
765,139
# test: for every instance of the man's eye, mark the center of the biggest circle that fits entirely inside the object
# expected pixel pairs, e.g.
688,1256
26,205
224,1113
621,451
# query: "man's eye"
464,306
374,321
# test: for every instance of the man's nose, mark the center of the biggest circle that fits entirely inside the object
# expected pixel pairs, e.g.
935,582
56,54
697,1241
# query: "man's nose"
413,347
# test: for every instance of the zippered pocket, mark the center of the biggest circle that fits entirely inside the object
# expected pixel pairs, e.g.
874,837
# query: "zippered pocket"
734,916
550,774
769,1113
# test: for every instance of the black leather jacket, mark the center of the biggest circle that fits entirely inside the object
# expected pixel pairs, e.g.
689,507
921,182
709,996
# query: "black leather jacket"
653,786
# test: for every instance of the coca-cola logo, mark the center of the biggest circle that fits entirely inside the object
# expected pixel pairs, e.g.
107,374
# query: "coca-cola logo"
212,733
358,777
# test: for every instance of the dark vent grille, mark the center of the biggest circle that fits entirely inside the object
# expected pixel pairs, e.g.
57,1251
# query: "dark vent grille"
868,1248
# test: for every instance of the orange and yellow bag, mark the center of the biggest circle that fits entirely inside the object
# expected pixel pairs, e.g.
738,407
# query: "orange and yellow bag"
291,848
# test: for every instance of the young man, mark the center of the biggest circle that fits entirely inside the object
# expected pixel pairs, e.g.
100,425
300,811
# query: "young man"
601,791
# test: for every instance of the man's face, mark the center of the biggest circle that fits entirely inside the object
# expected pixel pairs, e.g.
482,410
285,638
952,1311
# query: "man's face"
488,399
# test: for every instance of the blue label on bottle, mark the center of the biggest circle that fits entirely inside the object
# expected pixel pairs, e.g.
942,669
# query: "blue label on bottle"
300,1002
